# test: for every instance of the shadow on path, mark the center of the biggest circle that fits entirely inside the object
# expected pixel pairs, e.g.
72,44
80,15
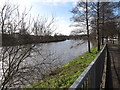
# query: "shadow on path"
113,67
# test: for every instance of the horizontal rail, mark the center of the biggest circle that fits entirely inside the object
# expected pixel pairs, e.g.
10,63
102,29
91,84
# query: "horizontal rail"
92,75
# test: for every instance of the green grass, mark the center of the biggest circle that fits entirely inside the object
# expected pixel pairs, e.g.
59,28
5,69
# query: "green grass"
65,76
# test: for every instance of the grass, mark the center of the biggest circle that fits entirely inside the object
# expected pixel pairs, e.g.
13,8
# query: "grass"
65,76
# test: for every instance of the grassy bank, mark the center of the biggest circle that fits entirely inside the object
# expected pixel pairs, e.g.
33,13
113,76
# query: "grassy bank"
67,74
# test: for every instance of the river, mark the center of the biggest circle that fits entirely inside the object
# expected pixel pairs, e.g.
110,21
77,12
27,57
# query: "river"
65,51
44,57
61,52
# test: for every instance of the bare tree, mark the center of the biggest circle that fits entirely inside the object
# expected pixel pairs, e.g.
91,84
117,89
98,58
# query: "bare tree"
44,26
16,67
23,65
105,12
11,59
82,13
5,17
87,27
98,32
96,20
11,20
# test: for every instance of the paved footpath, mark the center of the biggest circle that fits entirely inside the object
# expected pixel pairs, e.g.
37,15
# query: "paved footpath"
113,68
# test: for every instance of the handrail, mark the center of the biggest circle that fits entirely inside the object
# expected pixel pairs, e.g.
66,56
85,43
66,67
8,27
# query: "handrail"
92,75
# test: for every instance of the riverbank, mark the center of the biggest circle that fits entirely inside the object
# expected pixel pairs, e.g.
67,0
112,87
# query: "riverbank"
65,76
17,39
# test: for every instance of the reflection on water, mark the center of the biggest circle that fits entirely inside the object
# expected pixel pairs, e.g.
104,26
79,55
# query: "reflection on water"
28,63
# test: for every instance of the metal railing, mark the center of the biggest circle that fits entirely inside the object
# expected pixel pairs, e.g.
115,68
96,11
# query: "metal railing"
93,74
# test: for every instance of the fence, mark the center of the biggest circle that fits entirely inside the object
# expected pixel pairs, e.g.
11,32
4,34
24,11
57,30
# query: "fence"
93,74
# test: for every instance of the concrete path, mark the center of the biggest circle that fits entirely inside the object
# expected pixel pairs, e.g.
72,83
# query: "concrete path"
113,67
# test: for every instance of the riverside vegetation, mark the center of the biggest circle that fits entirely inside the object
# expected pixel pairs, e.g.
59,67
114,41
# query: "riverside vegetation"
65,76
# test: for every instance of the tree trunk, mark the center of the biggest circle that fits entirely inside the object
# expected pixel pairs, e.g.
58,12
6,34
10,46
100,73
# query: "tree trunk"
98,27
87,27
102,40
103,19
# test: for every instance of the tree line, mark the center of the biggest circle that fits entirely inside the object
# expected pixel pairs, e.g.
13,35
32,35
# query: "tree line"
13,21
102,20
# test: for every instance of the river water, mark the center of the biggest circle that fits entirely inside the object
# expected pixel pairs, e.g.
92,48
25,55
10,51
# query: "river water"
45,57
61,52
65,51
